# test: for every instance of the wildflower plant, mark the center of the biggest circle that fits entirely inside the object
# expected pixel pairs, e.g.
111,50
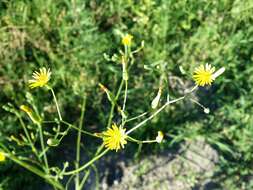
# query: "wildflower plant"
114,136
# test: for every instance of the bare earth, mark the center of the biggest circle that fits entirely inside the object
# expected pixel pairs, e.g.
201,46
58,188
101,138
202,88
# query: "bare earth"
191,168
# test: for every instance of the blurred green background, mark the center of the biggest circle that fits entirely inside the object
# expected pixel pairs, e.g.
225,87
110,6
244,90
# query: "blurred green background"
71,36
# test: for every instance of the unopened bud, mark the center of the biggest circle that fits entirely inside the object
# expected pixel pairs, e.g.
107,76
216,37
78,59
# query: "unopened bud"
109,95
53,142
156,100
159,137
218,73
29,112
207,110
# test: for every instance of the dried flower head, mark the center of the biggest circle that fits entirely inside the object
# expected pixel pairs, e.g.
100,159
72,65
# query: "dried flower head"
114,138
40,78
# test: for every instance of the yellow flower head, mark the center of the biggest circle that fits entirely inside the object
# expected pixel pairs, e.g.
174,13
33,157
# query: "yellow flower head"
40,78
203,75
127,40
114,138
2,157
159,137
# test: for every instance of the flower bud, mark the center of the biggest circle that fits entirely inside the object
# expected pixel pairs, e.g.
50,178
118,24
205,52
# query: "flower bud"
29,112
53,142
159,137
156,100
218,73
207,110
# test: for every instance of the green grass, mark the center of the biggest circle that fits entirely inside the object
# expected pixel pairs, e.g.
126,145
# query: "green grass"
70,37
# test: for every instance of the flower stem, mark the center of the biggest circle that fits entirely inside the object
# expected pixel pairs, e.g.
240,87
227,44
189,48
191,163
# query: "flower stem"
139,141
87,164
38,172
160,109
56,103
78,141
125,96
109,123
154,114
28,136
84,178
99,149
76,128
43,147
136,117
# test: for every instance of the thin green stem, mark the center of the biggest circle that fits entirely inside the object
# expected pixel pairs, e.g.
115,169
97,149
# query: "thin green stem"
43,147
56,103
125,96
100,148
68,182
160,109
36,171
111,115
76,128
96,174
78,141
87,164
109,123
154,114
84,179
139,141
137,117
28,136
199,104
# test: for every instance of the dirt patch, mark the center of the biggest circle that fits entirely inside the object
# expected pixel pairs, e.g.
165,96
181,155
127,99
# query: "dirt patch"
192,168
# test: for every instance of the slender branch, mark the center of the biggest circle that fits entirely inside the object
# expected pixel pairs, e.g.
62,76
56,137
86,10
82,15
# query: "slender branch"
138,116
56,103
125,96
87,164
154,114
99,149
84,178
36,171
28,136
139,141
43,146
109,123
78,141
160,109
76,128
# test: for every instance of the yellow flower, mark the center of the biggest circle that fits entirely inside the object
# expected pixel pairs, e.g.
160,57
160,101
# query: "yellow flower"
127,40
114,138
203,75
2,157
159,137
40,78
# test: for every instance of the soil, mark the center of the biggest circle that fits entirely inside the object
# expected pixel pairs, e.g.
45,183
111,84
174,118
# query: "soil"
191,168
